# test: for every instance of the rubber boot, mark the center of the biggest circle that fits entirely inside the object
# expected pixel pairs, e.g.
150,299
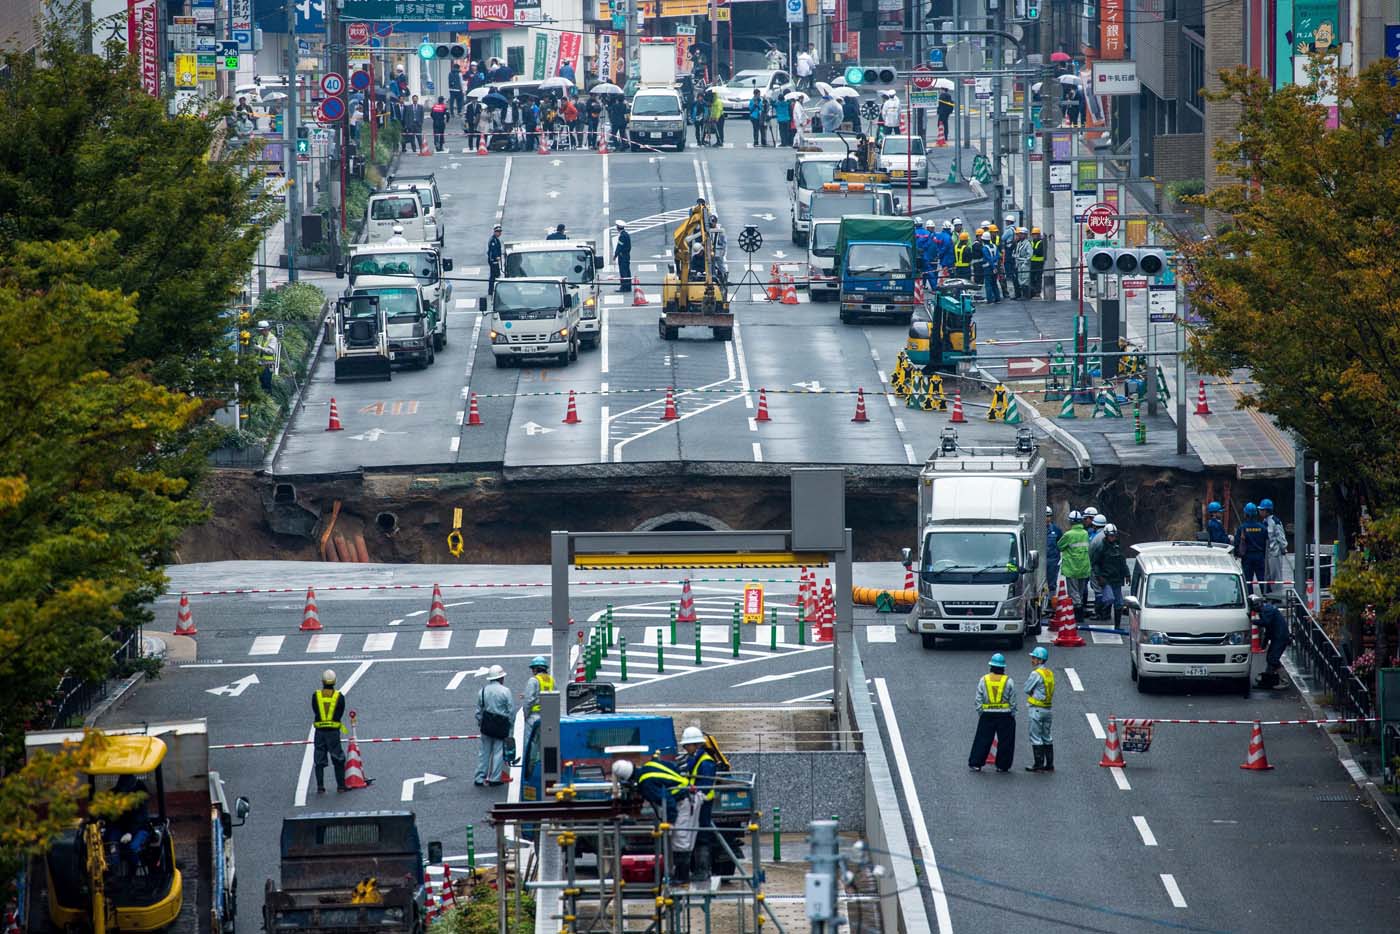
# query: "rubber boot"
1049,750
338,765
1039,754
680,874
320,779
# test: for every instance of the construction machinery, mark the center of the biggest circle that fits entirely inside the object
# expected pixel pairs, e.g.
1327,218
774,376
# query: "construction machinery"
361,336
943,333
862,164
693,294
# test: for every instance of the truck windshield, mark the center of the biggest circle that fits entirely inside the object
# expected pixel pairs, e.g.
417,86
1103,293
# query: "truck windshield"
526,301
394,209
970,558
573,266
879,259
421,265
1195,591
397,303
814,174
836,205
824,239
656,105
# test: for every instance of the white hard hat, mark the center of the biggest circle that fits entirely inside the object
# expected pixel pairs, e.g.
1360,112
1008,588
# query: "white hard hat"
1110,529
398,228
1101,522
1011,217
918,222
947,225
620,223
692,734
622,770
957,221
1049,511
986,236
497,673
328,677
1075,515
1022,230
1090,511
263,325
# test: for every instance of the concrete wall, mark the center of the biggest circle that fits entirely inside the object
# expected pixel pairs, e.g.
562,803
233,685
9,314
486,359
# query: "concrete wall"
1179,156
807,786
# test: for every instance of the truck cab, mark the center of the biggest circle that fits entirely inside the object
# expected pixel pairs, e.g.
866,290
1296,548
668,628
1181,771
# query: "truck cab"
877,267
428,195
388,209
822,282
576,262
409,319
532,318
379,265
810,172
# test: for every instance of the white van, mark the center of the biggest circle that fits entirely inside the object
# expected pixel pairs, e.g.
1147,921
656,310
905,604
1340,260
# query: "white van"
533,318
656,119
821,260
389,208
1188,617
427,187
808,174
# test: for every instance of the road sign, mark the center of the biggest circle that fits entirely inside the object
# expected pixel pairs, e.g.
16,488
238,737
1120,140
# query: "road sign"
923,78
1100,220
1027,367
359,80
186,70
1137,737
332,83
796,11
357,33
937,59
331,110
1060,173
753,603
303,46
1161,303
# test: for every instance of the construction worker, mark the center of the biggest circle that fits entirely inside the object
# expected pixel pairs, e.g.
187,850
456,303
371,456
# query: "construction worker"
701,767
1074,562
1252,545
1278,544
923,235
943,243
540,681
928,256
1040,695
1052,551
268,354
328,709
1215,526
1273,637
962,257
1037,261
996,717
1110,569
979,258
494,713
989,269
668,791
957,227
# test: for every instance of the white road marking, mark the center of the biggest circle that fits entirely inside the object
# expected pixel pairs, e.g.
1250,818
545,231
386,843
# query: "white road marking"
1121,778
461,417
646,267
414,659
267,645
395,622
763,633
505,185
324,642
435,639
379,641
909,454
304,775
916,810
542,636
714,634
781,676
491,638
879,633
604,433
753,425
899,425
415,613
1173,890
1106,638
1074,681
728,358
738,343
606,197
1145,831
1095,725
758,452
603,341
807,697
457,440
426,779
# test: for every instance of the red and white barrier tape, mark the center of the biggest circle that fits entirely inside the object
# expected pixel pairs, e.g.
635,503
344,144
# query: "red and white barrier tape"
382,739
1149,721
331,588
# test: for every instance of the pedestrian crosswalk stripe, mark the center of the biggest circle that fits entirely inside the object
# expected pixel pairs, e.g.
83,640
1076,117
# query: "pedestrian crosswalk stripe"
761,634
1045,635
612,299
879,633
491,638
1105,638
542,637
324,642
379,642
267,645
435,639
646,267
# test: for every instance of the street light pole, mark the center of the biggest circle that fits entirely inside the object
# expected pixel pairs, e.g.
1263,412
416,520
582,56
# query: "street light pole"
1049,119
289,145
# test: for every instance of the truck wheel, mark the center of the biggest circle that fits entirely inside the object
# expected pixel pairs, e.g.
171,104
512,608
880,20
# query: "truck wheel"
680,146
500,363
929,639
1132,669
440,341
1018,640
845,318
1142,685
723,334
796,237
573,350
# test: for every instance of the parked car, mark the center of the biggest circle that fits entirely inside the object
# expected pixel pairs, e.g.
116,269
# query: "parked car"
905,155
738,91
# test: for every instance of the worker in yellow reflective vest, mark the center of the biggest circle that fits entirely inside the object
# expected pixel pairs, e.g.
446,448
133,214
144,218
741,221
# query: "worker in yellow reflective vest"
1040,694
962,257
328,709
701,768
540,681
996,717
675,801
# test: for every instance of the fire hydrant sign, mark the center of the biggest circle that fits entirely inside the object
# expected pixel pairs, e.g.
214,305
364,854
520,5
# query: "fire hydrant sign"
753,603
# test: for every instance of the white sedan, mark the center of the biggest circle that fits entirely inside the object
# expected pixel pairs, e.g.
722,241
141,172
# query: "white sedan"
897,158
738,90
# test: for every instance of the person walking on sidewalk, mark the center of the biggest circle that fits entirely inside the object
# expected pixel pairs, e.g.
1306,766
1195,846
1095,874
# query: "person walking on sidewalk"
996,717
328,711
1040,695
495,714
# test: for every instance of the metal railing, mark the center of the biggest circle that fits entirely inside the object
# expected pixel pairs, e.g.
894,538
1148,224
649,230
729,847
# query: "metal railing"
1324,664
74,697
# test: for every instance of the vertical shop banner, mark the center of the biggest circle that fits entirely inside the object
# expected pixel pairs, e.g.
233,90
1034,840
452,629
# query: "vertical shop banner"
570,45
551,66
838,29
1111,29
143,42
606,63
683,44
537,67
891,26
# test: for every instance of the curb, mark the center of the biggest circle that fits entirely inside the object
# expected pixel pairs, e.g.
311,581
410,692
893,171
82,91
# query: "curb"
1372,795
110,702
295,403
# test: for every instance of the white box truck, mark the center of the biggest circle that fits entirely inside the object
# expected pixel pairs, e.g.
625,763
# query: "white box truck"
981,551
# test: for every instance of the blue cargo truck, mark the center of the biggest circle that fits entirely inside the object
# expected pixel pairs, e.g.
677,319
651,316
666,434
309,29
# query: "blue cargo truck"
877,268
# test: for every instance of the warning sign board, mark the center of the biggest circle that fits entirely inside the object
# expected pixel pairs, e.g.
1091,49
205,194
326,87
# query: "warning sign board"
753,603
1137,737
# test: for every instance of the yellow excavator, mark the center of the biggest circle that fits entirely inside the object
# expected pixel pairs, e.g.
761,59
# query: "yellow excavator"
693,294
861,164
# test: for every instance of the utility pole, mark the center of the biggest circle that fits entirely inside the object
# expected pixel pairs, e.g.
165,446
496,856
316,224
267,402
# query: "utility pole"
998,118
289,145
1049,119
337,59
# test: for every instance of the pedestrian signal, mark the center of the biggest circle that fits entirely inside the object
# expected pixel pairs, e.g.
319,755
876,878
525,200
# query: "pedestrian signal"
303,147
1032,9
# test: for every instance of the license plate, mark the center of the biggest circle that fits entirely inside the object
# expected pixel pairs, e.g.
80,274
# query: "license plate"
969,627
898,173
1195,671
655,135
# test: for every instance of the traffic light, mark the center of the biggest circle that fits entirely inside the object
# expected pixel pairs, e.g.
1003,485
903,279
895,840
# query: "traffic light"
855,76
455,51
878,75
303,141
1032,9
1109,261
427,51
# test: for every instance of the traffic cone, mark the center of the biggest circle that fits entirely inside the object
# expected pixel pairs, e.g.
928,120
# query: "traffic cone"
1202,406
639,297
310,617
426,150
942,136
602,142
958,417
860,415
481,145
1067,407
473,414
184,618
789,292
1112,754
775,284
762,415
1067,635
919,291
571,414
334,423
992,753
801,589
1064,607
686,614
1254,647
1310,597
908,577
670,414
826,627
1012,415
1254,759
437,615
354,765
813,606
543,149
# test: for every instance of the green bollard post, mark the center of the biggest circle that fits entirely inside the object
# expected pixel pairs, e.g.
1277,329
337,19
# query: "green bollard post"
801,624
471,850
673,624
698,660
660,654
777,834
602,633
609,616
622,655
773,630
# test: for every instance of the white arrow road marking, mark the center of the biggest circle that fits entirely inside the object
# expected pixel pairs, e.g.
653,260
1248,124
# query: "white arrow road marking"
766,217
785,676
426,779
454,165
534,428
554,194
234,689
812,386
461,676
779,254
374,434
556,162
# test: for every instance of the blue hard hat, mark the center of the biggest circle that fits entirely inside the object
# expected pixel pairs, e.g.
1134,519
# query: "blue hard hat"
1040,652
998,661
1250,509
1266,504
1215,507
539,661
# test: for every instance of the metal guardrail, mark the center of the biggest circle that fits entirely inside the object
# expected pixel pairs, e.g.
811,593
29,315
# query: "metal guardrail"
74,697
1322,662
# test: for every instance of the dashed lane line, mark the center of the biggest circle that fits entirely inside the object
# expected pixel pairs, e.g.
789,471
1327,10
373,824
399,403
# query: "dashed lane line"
1095,725
1120,778
1144,831
1173,890
1074,681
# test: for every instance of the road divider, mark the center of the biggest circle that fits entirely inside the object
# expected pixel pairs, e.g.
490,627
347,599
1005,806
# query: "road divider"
281,743
342,588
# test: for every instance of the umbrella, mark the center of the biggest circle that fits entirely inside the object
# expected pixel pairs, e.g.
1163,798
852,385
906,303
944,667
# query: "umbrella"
1069,79
478,93
605,88
1035,88
839,81
1060,57
794,96
496,99
943,84
843,92
558,81
273,96
822,87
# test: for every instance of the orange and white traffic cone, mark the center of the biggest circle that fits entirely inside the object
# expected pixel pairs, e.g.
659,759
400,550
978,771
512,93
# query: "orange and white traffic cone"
909,578
813,599
919,291
184,617
826,627
992,753
1064,607
602,142
1255,760
1310,596
310,617
860,415
686,613
425,150
1068,635
473,414
1202,406
481,145
762,415
334,423
543,149
639,297
437,615
354,764
942,136
1112,753
789,291
670,414
775,284
1254,647
958,417
801,589
571,413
